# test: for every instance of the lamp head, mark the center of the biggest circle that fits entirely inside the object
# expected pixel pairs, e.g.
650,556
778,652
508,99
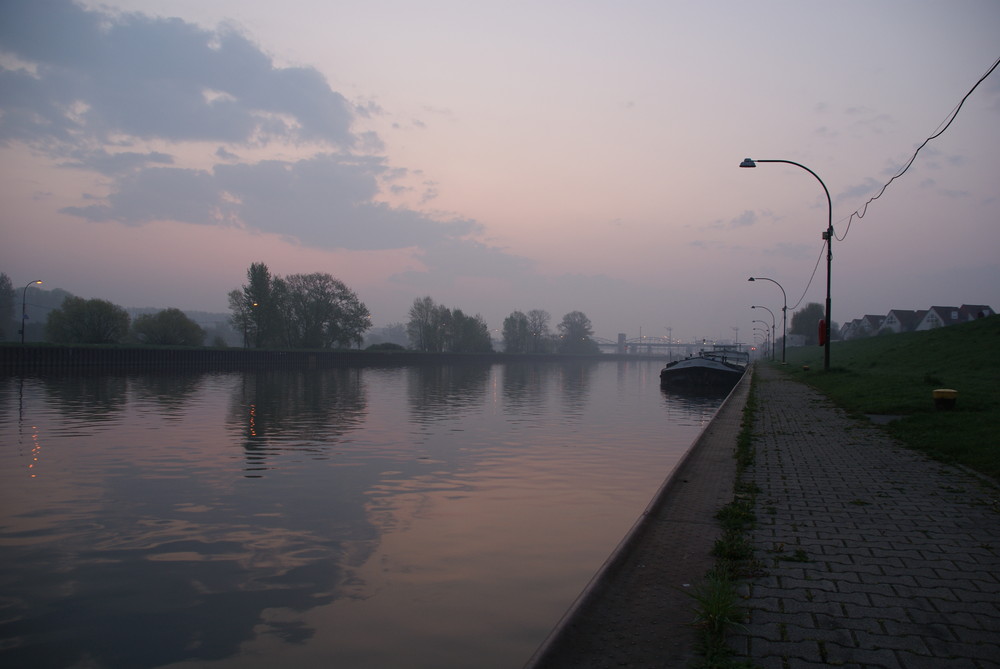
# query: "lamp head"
747,162
750,279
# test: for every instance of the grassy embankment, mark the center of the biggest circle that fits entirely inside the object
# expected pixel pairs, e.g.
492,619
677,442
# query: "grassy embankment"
895,375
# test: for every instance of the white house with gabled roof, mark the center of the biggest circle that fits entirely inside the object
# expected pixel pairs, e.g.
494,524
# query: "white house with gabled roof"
902,320
939,317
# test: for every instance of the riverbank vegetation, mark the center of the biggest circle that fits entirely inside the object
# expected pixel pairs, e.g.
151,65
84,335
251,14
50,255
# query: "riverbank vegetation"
892,377
719,609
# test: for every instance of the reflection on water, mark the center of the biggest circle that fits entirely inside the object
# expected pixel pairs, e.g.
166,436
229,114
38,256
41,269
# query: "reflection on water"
309,412
427,516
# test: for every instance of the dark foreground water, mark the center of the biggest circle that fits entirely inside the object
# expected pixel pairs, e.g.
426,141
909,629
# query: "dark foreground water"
439,516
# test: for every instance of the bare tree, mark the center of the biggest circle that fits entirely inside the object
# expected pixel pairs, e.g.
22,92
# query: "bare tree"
538,328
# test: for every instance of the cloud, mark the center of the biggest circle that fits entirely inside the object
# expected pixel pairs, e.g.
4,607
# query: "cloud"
88,88
156,194
325,201
132,97
93,76
859,192
743,220
746,219
471,258
100,160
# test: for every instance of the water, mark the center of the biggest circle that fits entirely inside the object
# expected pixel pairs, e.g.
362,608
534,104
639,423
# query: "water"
438,516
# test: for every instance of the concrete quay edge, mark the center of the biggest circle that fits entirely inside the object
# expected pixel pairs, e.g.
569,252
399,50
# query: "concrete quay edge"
636,611
870,554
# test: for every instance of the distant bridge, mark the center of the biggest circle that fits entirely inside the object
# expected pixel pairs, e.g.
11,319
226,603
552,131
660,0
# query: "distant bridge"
652,346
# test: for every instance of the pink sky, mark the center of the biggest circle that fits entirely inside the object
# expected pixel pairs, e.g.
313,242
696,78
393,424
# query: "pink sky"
498,157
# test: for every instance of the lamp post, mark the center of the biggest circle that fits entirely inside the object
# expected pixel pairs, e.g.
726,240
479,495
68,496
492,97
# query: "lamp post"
762,333
24,311
827,236
773,323
784,312
766,337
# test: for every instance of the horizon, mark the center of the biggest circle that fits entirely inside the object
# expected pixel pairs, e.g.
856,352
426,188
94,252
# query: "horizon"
495,331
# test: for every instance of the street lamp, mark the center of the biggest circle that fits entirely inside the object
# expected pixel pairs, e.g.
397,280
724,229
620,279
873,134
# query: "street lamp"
762,332
827,236
766,337
784,312
757,306
24,311
761,339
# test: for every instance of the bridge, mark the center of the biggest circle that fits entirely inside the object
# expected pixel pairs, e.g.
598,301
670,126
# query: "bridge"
664,346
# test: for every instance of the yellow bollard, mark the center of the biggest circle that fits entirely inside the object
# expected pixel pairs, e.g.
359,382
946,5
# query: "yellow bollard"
945,398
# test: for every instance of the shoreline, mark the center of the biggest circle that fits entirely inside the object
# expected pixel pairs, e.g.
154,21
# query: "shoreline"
636,610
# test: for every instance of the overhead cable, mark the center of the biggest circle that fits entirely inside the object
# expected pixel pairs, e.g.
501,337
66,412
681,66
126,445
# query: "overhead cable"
860,213
813,276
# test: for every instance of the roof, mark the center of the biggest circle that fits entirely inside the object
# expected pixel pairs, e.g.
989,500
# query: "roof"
971,312
907,318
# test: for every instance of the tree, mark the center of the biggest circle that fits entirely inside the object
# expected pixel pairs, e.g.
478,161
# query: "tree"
239,314
80,321
259,293
254,308
6,305
516,333
576,332
538,328
468,334
805,322
426,325
319,311
434,328
170,327
299,311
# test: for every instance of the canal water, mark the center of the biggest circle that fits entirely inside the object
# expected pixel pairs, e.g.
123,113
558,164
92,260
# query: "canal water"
426,516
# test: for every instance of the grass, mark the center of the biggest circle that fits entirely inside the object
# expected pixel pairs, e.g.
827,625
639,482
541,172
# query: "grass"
718,606
895,374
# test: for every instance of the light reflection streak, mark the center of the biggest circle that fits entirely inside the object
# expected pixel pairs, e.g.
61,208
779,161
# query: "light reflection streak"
36,451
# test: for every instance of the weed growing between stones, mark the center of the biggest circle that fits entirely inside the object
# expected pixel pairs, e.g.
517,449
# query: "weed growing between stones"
718,609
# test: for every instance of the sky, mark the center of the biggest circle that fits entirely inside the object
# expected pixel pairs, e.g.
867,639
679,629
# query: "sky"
506,156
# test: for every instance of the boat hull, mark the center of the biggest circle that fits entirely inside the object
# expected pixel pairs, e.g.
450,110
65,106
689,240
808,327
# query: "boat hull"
700,374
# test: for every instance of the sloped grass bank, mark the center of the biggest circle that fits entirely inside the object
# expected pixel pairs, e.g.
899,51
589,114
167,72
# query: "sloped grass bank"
896,374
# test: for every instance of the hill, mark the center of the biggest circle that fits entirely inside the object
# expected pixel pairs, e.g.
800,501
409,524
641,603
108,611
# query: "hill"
895,375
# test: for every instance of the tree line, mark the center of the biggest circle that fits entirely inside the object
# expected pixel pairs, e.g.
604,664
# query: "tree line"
311,311
299,311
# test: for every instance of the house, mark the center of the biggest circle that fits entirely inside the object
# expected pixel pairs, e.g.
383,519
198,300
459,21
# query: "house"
870,325
850,330
862,327
901,320
972,312
938,317
904,320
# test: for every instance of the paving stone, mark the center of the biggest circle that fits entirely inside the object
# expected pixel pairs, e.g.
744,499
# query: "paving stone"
905,569
866,657
903,553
